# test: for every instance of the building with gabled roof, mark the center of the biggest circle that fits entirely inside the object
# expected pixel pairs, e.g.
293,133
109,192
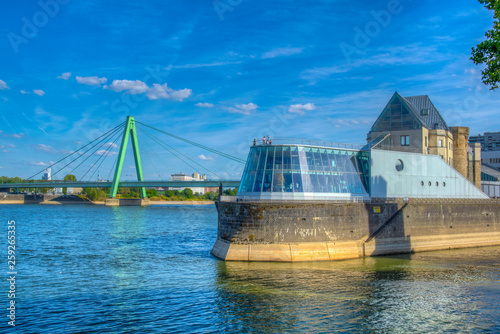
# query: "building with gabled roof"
415,125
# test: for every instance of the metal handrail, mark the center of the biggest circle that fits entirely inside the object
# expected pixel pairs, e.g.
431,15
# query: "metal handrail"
308,142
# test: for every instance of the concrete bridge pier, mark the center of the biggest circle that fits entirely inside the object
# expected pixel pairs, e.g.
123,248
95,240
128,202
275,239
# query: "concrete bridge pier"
127,202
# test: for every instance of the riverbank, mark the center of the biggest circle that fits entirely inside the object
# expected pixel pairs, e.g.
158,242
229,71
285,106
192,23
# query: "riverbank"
74,199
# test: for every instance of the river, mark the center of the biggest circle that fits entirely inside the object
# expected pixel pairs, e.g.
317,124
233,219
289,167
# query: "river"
96,269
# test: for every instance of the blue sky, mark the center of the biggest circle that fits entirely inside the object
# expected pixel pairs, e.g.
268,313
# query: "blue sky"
226,71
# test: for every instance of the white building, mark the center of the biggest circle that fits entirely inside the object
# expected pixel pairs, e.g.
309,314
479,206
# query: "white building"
192,177
47,175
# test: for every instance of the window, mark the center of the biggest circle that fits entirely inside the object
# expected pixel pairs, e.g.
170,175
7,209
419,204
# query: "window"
425,112
436,125
440,143
425,141
405,140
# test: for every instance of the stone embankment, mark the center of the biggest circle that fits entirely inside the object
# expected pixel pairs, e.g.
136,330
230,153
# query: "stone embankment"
292,232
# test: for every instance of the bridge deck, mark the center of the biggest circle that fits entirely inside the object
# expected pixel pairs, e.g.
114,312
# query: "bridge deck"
131,184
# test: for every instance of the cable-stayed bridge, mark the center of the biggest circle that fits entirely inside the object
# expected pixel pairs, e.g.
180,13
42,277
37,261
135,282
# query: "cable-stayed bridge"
102,146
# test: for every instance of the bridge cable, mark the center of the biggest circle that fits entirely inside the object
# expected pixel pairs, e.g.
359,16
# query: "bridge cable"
162,144
75,151
103,157
151,161
112,168
104,139
197,145
159,142
159,158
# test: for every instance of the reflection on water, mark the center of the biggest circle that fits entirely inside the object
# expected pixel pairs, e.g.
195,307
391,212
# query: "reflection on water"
97,269
427,292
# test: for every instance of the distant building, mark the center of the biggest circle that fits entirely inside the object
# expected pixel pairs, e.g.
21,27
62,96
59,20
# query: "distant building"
490,148
414,124
47,175
490,141
192,177
490,180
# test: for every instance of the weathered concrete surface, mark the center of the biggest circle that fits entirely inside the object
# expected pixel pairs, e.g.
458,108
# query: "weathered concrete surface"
127,202
333,231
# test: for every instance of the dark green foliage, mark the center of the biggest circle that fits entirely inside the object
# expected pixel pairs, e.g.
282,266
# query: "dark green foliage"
188,193
488,51
230,192
151,193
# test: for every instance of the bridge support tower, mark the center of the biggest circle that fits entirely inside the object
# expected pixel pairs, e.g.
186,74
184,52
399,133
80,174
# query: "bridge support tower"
129,131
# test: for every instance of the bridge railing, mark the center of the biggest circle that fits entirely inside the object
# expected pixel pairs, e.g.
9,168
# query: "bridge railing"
321,199
292,141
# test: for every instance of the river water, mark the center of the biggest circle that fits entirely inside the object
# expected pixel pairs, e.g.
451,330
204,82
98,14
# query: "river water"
86,269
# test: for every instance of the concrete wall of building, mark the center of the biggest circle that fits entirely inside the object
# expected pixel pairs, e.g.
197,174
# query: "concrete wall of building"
422,176
331,231
461,140
476,176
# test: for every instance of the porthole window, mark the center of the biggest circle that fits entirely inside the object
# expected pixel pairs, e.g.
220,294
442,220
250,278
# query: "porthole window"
444,184
422,183
437,184
430,183
399,165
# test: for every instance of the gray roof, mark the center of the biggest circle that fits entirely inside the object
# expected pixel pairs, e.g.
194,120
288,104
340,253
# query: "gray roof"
486,169
433,120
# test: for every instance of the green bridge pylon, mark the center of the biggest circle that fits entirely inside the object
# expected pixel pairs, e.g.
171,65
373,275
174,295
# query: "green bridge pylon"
128,131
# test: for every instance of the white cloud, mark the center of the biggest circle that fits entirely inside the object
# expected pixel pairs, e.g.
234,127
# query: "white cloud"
190,66
43,148
301,108
91,81
164,92
104,152
40,163
3,85
281,52
204,105
203,157
24,92
244,109
64,76
39,92
129,86
113,145
13,135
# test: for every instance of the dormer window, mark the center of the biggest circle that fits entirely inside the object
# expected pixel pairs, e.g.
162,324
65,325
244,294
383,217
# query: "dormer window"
424,112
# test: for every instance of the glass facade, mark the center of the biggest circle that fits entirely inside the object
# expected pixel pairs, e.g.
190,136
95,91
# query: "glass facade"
396,116
304,169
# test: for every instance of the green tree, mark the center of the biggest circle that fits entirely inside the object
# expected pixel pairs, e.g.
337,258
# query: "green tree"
188,193
151,193
488,51
70,178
